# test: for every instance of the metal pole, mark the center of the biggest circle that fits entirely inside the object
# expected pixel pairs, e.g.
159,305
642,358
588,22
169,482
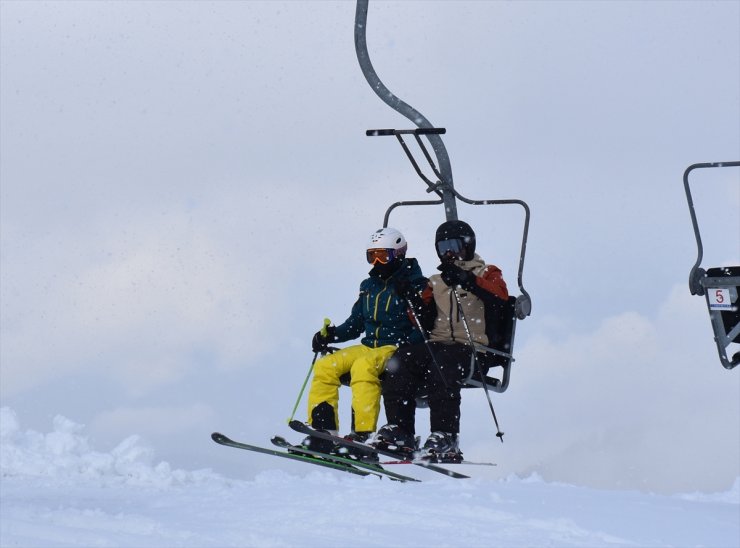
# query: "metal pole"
300,394
327,322
474,359
426,342
443,159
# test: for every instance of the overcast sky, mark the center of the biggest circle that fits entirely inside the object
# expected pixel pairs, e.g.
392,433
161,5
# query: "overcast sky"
187,191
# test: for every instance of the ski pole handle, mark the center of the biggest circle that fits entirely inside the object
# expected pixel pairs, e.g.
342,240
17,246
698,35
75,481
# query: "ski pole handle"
327,323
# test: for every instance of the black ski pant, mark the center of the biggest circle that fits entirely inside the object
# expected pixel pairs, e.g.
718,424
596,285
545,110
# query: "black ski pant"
411,372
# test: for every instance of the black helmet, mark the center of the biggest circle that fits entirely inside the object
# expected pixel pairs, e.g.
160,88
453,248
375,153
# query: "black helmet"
458,238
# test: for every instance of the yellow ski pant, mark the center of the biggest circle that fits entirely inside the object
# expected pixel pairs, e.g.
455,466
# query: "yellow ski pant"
365,365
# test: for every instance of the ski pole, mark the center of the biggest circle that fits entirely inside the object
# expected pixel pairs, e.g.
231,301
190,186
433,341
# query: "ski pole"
327,323
474,359
426,343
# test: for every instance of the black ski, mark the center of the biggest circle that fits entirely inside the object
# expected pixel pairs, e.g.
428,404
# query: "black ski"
342,467
372,467
412,461
303,428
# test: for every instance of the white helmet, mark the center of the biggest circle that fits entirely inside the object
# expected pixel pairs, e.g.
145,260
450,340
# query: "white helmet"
388,239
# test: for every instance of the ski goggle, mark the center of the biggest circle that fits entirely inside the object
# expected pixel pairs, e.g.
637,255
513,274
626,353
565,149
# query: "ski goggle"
381,255
454,247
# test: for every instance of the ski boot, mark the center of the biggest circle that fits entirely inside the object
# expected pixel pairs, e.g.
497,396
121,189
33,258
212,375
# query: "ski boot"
357,454
392,438
316,444
441,447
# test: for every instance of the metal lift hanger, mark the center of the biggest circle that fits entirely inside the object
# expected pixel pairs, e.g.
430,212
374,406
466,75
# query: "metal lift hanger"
720,285
518,307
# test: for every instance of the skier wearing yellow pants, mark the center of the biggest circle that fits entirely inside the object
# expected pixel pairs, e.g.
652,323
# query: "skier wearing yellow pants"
364,365
381,313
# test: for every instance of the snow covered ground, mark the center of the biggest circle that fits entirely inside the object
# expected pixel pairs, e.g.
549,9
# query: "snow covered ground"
58,491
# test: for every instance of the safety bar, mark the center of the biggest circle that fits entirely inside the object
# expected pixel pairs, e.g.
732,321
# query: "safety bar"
417,131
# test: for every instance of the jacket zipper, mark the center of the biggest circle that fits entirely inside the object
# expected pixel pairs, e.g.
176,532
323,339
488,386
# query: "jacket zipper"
452,326
375,313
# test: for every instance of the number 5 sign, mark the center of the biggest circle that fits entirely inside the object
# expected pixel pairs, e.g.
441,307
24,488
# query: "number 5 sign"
719,298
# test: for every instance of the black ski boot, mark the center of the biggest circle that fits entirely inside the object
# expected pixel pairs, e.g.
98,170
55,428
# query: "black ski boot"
441,447
357,454
318,444
322,419
392,437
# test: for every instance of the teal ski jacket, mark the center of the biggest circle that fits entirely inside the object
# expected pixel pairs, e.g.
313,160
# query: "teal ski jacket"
380,312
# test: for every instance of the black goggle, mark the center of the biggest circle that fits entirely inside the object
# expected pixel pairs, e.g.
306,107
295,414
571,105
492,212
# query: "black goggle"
454,247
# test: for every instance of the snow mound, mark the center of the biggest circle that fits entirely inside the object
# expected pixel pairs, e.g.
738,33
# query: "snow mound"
731,497
65,454
59,491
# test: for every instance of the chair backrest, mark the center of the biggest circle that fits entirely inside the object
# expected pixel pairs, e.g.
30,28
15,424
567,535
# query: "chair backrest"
502,349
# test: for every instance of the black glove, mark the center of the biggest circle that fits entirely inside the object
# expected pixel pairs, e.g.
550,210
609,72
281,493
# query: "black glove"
320,342
406,291
453,275
403,288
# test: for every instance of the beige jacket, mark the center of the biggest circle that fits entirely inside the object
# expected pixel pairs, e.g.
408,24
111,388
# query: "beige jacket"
448,325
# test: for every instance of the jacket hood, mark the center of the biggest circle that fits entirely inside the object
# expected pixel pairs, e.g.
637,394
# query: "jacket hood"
475,263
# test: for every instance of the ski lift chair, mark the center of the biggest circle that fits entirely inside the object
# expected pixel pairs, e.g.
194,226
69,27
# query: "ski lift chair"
516,307
719,285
